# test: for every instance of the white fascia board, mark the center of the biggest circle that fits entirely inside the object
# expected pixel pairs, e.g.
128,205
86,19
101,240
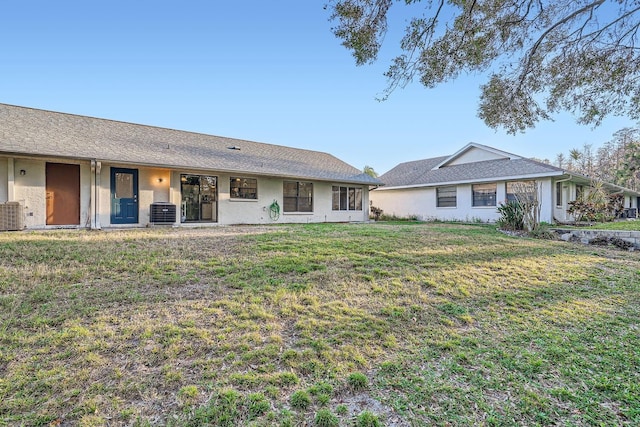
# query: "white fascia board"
475,181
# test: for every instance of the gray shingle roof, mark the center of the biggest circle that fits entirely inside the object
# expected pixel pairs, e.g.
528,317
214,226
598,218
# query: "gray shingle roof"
47,133
420,173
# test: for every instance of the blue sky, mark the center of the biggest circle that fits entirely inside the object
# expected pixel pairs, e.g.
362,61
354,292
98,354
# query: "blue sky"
263,71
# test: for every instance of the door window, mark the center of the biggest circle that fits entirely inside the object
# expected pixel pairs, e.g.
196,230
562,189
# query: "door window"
124,186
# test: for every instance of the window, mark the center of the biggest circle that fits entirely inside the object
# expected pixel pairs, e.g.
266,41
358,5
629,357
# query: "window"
124,186
446,197
526,189
484,194
559,194
346,198
243,188
297,196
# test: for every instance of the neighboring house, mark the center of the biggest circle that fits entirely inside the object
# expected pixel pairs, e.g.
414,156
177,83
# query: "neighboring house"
470,184
73,171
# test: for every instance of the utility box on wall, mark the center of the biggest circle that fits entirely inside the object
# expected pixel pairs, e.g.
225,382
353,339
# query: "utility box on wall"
11,216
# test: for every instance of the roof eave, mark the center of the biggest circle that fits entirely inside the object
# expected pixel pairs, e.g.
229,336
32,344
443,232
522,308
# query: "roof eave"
336,179
476,181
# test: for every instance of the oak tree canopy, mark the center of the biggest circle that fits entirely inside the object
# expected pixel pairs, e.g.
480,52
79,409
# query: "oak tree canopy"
540,56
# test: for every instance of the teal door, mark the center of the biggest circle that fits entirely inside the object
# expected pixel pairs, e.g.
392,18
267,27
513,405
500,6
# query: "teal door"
124,196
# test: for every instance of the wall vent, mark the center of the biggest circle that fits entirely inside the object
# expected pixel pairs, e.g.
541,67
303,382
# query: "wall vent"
11,216
162,213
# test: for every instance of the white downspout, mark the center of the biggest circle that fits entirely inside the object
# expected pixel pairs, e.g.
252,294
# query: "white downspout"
92,192
97,167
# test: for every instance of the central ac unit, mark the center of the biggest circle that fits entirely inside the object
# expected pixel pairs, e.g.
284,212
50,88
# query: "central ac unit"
162,213
11,216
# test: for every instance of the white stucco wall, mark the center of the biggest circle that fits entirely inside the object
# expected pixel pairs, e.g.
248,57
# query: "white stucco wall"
405,203
230,211
421,203
237,211
30,189
546,200
150,190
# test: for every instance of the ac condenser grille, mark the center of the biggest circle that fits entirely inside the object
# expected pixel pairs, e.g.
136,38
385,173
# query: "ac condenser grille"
11,216
162,213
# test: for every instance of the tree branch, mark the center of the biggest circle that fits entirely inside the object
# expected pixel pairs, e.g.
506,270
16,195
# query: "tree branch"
530,55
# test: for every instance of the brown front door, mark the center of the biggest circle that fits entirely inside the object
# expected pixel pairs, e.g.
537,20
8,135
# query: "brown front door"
63,194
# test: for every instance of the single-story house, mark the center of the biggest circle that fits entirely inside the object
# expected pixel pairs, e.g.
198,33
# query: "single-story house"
470,184
65,170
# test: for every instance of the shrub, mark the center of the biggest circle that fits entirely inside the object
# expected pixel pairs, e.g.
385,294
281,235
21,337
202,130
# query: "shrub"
615,241
321,388
583,210
597,205
342,409
222,410
358,380
599,241
619,243
323,399
615,204
511,216
376,213
285,379
300,400
188,394
325,418
542,232
258,405
368,419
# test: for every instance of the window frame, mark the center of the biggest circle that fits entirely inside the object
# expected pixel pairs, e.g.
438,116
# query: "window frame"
488,199
297,198
439,197
244,189
558,194
345,198
511,196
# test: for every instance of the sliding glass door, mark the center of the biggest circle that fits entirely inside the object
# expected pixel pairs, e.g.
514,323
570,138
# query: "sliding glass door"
199,198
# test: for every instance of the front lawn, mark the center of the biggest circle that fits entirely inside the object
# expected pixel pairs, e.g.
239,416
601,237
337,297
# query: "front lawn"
400,324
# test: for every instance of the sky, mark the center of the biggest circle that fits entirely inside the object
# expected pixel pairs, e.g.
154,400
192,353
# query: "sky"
265,71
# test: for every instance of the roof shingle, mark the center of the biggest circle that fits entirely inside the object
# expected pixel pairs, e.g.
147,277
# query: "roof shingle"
38,132
421,172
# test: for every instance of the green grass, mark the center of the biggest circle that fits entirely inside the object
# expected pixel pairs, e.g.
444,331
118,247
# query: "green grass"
447,324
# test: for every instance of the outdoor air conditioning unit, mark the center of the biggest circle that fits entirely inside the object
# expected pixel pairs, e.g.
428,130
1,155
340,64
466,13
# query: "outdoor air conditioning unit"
162,213
11,216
